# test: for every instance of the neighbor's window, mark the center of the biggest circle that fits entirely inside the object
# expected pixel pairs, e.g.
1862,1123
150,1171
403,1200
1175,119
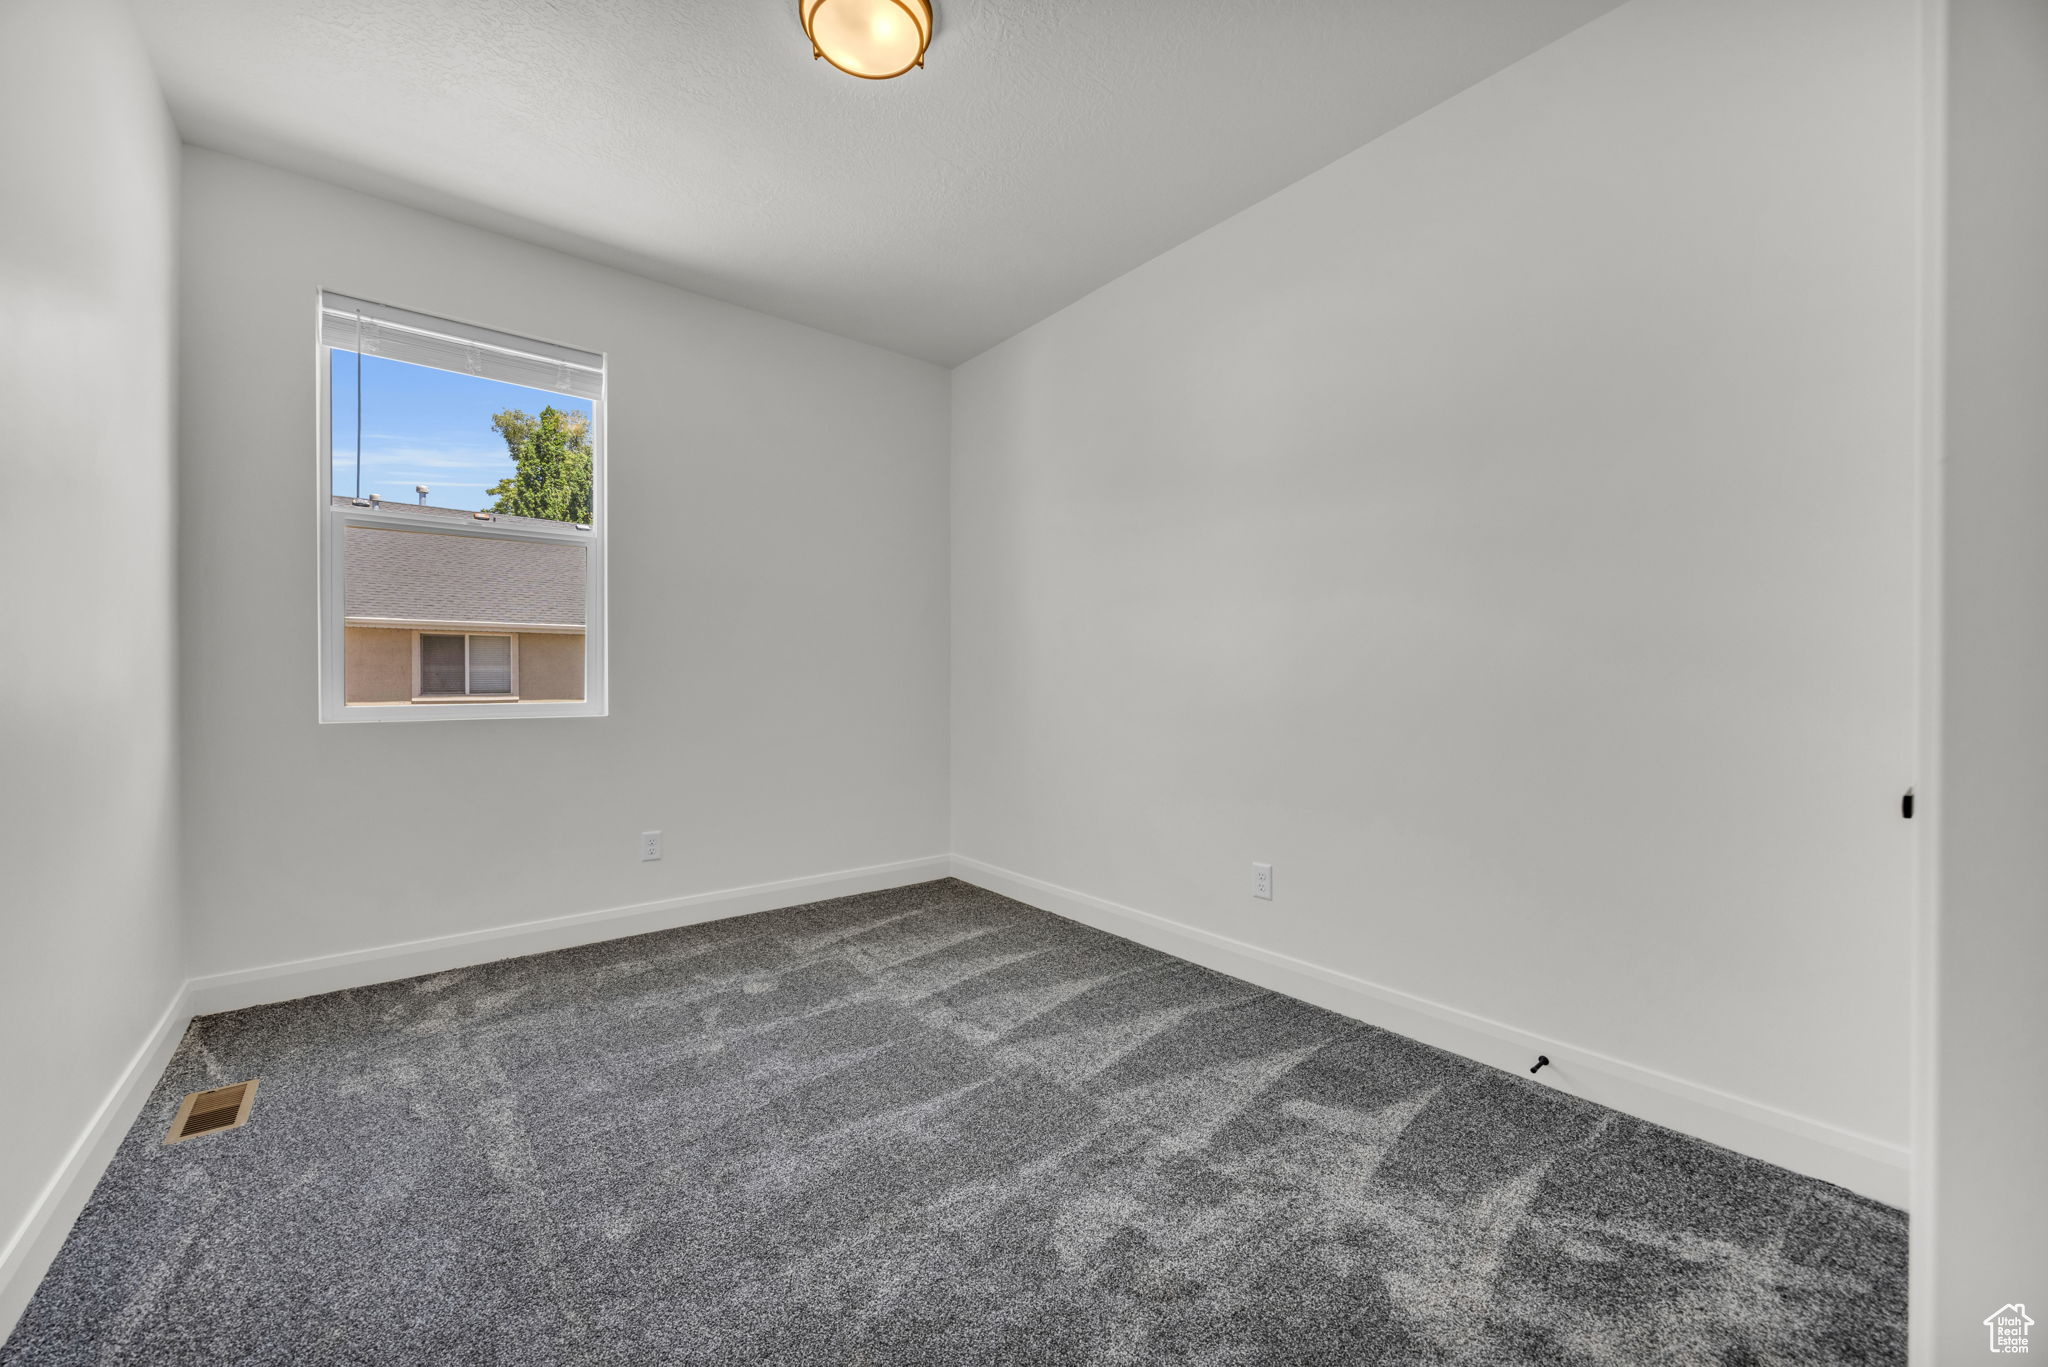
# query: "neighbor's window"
466,666
462,557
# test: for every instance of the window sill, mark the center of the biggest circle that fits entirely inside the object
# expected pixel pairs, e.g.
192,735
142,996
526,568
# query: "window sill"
449,709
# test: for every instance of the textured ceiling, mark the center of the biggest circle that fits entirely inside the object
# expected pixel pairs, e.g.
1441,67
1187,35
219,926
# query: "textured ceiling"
1047,147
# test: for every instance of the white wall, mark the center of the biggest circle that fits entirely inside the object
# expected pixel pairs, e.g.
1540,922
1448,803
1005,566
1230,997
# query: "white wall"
778,601
89,924
1985,1242
1507,532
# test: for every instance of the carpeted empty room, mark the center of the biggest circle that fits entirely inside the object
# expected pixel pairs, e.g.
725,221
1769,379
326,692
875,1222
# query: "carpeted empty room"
929,1125
953,682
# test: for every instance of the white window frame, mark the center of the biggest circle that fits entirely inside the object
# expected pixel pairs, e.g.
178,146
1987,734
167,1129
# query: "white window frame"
332,538
419,695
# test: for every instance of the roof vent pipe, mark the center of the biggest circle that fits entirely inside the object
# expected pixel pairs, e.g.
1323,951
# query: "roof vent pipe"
422,490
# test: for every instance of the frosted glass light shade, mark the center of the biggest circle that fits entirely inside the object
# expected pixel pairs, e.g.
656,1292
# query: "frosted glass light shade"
872,39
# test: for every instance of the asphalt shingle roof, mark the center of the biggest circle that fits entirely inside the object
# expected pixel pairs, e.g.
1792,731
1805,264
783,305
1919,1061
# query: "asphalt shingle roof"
408,574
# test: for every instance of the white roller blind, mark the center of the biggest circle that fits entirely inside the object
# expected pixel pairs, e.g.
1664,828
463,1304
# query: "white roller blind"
490,664
380,330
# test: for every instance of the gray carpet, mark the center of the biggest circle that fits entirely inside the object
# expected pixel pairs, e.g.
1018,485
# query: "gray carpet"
923,1126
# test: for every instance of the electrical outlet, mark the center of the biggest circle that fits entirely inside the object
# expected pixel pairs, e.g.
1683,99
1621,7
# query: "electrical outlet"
650,845
1262,881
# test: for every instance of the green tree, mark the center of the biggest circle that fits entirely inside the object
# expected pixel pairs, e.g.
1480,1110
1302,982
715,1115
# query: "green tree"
551,462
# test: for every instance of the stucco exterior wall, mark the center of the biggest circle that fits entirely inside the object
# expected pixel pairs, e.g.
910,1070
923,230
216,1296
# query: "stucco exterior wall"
550,666
376,665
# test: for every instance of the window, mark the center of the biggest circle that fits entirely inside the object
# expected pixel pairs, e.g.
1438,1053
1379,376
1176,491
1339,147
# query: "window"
461,514
467,666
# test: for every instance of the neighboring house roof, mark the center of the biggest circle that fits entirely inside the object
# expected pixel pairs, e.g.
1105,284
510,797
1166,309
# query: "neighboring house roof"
403,511
406,574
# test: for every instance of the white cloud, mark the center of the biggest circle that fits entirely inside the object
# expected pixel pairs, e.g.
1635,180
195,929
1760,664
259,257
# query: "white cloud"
435,458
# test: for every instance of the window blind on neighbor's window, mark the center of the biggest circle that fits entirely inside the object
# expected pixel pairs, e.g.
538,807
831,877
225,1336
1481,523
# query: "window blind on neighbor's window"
380,330
490,664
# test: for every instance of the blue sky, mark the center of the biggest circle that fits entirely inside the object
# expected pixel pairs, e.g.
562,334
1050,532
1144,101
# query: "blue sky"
425,426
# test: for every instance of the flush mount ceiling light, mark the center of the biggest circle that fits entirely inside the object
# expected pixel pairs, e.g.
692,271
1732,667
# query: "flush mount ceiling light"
872,39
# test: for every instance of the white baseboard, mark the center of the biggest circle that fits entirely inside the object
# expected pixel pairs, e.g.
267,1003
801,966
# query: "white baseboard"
1872,1167
411,958
35,1244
